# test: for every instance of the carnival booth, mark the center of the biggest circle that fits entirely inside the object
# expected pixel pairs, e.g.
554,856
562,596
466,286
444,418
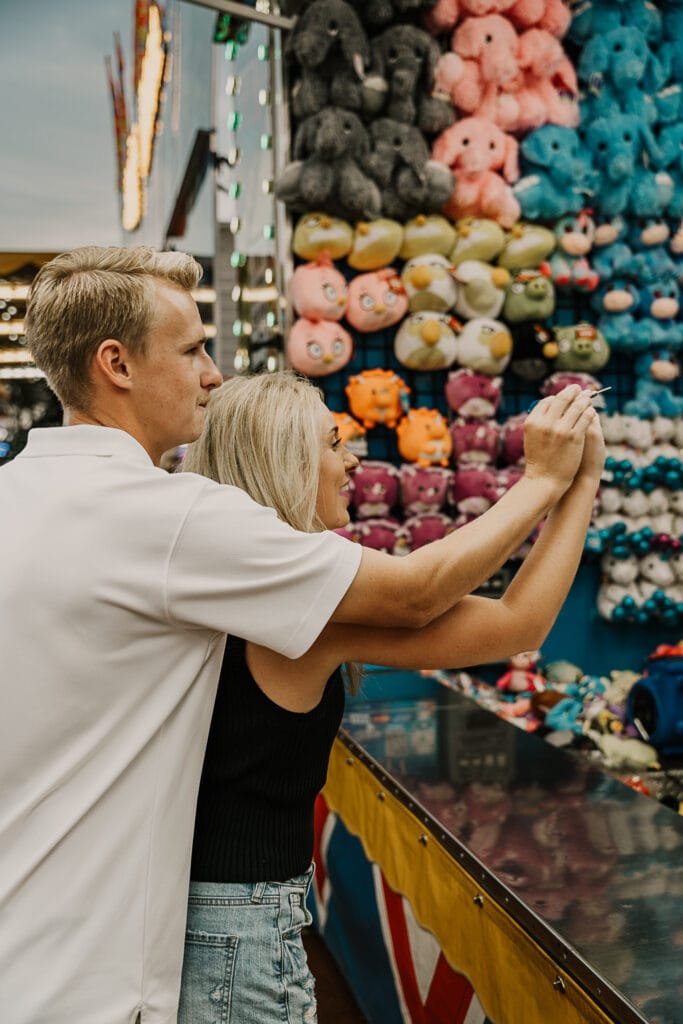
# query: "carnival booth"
441,211
486,205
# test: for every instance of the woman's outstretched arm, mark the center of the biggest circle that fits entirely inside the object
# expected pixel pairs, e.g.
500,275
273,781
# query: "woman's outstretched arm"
416,589
476,629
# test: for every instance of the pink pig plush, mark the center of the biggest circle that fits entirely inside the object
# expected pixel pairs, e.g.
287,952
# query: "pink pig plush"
318,290
474,396
376,300
507,477
512,439
423,488
561,379
318,349
424,528
473,491
380,534
375,488
475,442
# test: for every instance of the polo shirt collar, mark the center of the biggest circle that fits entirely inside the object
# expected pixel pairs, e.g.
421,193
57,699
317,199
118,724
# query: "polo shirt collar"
84,439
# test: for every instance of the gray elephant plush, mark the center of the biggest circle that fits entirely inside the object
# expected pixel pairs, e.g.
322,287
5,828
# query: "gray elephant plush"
380,13
328,173
328,53
410,182
401,80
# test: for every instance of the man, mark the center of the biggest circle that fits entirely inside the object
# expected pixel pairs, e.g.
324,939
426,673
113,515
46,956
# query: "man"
118,587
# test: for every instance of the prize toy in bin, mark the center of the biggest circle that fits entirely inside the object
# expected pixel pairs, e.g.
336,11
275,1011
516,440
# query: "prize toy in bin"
655,702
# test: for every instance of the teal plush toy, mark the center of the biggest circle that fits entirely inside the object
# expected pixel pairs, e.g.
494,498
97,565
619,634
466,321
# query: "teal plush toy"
671,145
600,16
620,147
556,176
621,75
656,371
569,264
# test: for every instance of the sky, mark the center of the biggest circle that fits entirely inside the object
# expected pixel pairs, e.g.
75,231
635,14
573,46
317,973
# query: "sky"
57,160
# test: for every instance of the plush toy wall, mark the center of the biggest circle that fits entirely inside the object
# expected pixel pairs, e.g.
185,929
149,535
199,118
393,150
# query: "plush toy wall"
487,199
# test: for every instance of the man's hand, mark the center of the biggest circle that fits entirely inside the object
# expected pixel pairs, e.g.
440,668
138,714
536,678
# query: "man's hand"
554,435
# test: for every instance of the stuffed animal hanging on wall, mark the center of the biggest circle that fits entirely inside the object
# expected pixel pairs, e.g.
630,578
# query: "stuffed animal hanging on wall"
376,300
423,437
318,290
376,396
318,348
475,149
400,84
329,52
409,181
330,150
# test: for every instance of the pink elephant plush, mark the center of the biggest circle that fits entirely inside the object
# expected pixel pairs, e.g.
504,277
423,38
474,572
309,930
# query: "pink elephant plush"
475,149
546,89
480,72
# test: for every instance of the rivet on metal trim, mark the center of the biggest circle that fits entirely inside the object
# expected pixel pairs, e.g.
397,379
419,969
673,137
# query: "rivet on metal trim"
349,760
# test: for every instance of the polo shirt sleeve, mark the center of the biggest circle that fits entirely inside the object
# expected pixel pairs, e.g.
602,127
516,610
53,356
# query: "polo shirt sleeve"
236,568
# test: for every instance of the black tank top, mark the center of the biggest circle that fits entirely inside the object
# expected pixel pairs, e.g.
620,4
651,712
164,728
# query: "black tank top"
263,769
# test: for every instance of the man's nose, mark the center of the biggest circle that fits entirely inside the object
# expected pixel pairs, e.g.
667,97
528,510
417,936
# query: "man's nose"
211,375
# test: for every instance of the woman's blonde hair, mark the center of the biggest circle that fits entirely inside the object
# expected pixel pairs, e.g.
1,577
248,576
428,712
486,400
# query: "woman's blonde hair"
82,297
264,434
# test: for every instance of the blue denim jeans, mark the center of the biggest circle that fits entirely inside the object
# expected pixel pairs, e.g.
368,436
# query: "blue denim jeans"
245,961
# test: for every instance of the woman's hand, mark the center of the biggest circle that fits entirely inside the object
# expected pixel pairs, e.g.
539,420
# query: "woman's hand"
593,459
554,436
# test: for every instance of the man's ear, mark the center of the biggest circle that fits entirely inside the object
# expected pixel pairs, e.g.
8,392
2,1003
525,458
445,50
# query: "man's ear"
111,364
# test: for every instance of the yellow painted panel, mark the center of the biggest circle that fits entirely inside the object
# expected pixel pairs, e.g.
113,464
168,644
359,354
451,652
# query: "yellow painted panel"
512,976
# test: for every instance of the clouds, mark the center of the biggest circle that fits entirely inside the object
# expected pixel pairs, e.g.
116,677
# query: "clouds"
57,162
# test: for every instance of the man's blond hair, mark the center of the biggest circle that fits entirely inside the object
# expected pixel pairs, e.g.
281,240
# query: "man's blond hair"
82,297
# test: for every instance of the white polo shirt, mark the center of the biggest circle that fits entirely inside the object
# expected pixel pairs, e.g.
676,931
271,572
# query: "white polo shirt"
118,584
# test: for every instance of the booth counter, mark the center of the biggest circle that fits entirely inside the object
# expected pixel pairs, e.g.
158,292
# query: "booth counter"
469,872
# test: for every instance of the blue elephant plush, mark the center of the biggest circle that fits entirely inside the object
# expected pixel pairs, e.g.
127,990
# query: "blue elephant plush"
671,51
611,254
596,16
623,183
655,370
556,177
622,75
670,142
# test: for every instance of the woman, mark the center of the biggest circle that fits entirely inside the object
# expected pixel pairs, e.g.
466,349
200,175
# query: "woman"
274,724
